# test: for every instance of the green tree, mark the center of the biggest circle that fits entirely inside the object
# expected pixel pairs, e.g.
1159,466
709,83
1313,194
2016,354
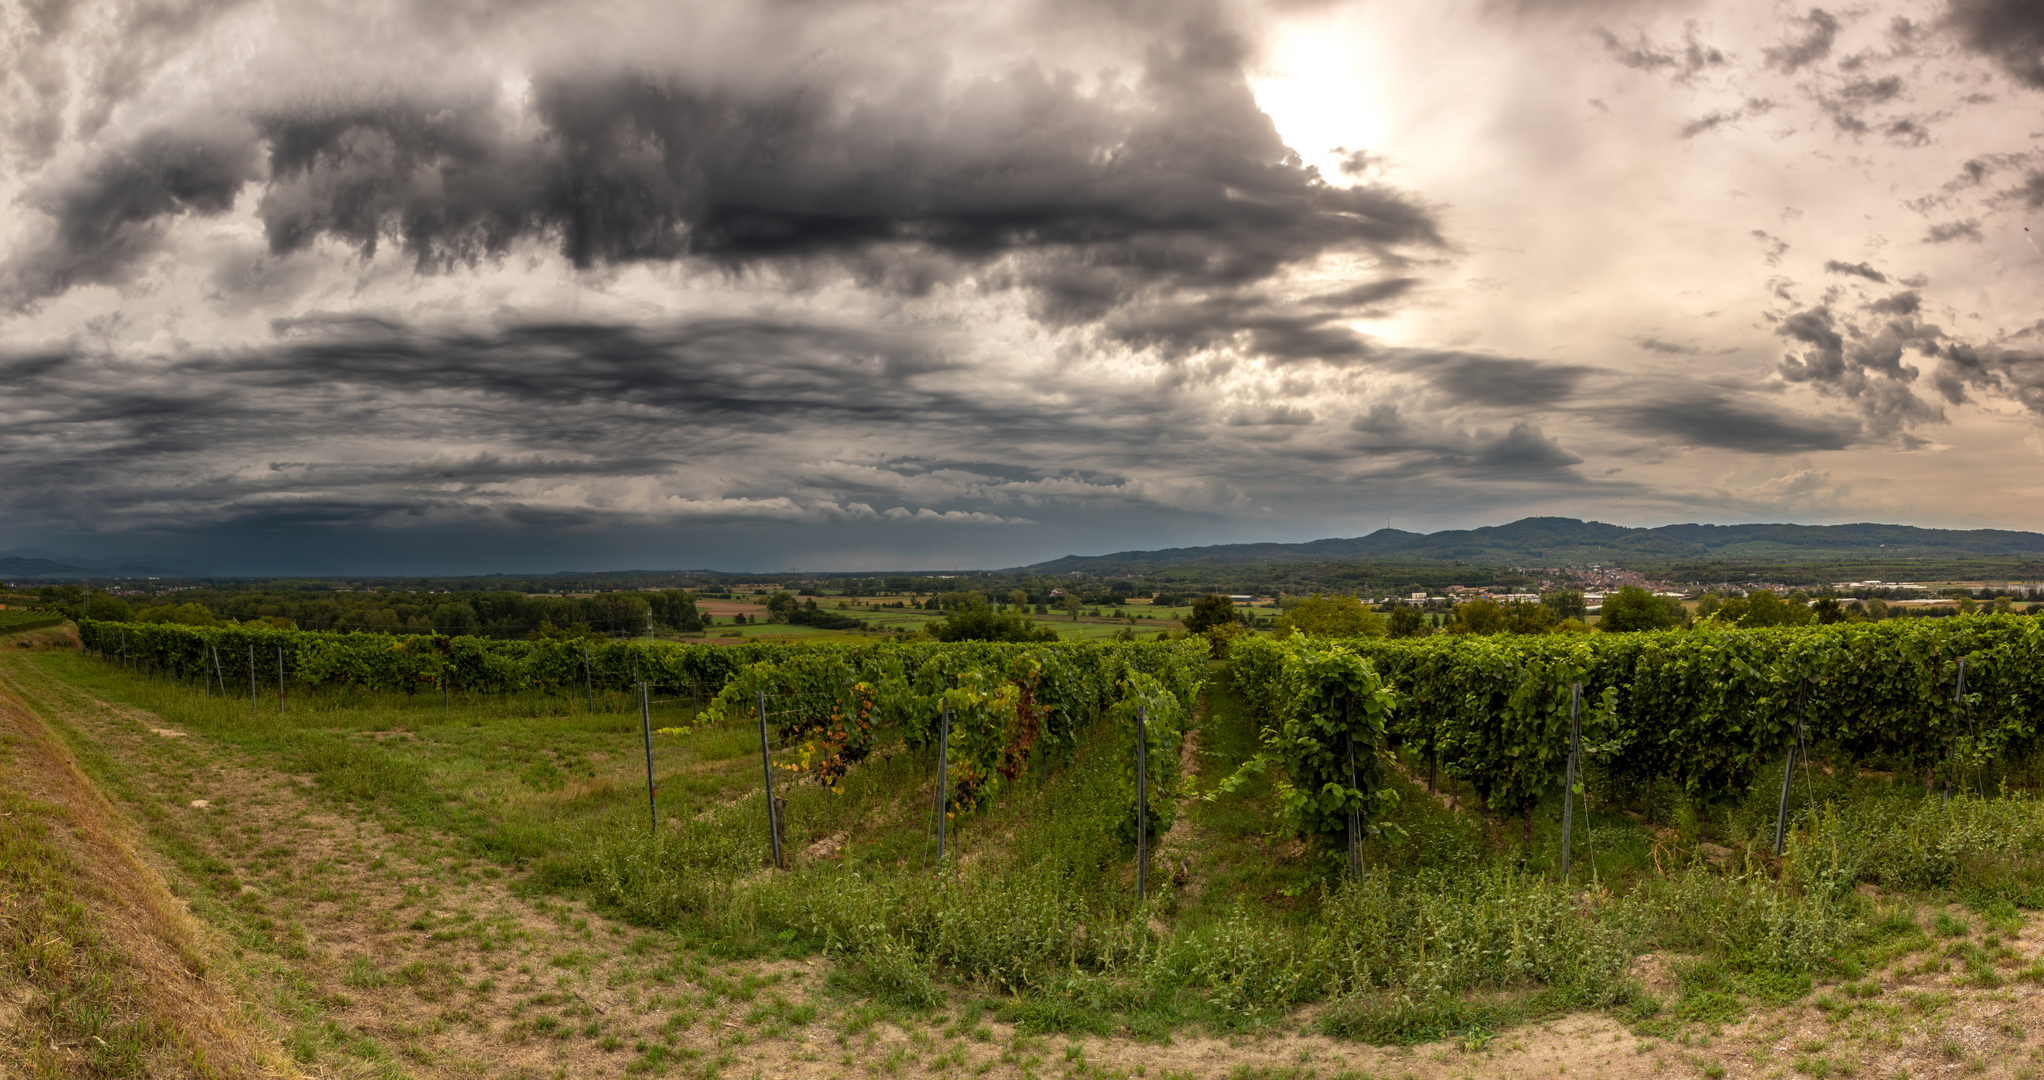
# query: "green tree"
1486,616
456,619
1532,617
676,609
1409,621
107,608
780,606
1762,608
1329,616
980,622
1071,605
1208,612
1479,616
1566,604
1633,608
191,613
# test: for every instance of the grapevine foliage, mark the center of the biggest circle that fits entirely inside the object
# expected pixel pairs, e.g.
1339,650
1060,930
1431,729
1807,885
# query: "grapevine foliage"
1164,717
1325,707
1710,708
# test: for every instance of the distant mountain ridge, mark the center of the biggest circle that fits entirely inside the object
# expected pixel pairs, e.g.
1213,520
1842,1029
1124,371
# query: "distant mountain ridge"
22,565
1548,541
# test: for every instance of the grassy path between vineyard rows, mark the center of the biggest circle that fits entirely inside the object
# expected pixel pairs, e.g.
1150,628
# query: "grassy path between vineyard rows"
190,890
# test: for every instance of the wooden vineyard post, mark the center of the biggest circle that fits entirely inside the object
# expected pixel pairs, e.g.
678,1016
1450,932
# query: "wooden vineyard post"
766,768
219,669
1355,813
1788,772
646,729
1142,802
943,775
1568,790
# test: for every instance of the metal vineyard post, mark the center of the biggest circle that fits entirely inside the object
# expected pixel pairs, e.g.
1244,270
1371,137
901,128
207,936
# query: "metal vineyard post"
646,730
1142,802
766,768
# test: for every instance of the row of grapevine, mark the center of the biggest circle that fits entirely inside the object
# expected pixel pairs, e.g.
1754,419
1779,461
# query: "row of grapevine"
1008,701
1709,708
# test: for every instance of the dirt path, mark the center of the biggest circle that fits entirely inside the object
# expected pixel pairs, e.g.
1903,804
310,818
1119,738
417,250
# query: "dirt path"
373,950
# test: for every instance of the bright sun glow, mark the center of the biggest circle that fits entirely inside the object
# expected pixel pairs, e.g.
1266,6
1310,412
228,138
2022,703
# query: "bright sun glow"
1319,91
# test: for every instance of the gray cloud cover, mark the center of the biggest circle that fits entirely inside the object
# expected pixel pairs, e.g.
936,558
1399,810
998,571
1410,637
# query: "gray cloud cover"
538,271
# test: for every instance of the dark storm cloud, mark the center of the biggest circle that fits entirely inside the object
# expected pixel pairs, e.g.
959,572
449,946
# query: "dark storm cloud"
2012,372
1310,328
1366,294
564,426
2010,31
1820,30
1720,421
1862,356
108,217
1859,269
566,400
366,421
1172,195
1248,324
1522,449
1522,453
1499,382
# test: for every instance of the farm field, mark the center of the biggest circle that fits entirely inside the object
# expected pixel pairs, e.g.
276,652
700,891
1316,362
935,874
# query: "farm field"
398,884
1148,621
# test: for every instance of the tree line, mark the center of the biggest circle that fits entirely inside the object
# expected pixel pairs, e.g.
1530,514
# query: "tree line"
475,613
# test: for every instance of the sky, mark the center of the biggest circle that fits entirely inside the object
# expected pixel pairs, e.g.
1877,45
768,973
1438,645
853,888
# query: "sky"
471,286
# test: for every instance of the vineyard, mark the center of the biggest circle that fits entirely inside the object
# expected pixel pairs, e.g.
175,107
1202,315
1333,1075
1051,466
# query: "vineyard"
1956,702
27,620
946,819
1009,703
